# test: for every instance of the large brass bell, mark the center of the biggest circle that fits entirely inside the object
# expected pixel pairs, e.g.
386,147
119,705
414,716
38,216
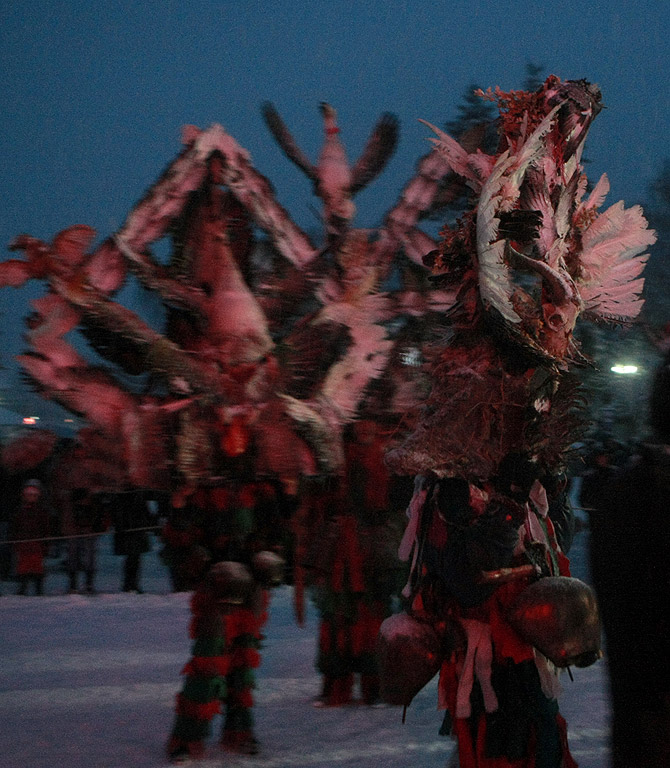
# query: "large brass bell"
409,655
230,582
559,616
268,568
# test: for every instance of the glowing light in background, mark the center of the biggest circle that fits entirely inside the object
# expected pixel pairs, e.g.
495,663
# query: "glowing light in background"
624,369
411,356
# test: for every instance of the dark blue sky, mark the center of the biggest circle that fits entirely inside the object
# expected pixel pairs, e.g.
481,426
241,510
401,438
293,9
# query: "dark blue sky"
95,94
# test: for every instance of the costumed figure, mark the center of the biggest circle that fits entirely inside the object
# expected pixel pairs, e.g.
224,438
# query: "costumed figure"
264,360
229,609
274,353
181,552
353,564
491,604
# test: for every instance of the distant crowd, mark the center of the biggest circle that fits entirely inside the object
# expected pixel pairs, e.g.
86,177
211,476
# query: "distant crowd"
37,524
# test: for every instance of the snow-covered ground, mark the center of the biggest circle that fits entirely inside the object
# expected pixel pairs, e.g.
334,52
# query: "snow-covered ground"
89,682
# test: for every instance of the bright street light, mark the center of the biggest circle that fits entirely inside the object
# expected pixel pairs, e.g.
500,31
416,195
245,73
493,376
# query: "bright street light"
624,368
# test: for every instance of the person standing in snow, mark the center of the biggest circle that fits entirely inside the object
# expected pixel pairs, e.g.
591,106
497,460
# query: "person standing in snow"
630,567
29,529
131,520
82,521
5,507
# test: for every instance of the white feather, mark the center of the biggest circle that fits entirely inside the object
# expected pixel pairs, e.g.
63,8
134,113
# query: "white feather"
612,260
501,193
474,167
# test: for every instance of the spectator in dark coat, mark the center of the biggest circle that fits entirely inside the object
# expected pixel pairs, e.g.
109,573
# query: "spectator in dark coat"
596,479
5,509
82,521
131,538
630,565
29,529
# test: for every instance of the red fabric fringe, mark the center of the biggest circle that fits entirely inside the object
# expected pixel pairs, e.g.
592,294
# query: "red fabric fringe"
365,631
506,642
220,498
210,666
247,497
247,658
472,755
243,698
197,710
243,621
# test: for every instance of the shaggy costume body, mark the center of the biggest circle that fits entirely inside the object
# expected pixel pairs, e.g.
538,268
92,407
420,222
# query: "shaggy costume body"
220,675
352,609
358,570
530,254
499,693
234,523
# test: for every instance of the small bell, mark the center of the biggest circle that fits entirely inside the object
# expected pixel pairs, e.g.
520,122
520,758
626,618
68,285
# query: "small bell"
559,616
268,568
230,582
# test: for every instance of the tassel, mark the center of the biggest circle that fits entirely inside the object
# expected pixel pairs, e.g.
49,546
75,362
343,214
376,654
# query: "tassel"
413,512
478,659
